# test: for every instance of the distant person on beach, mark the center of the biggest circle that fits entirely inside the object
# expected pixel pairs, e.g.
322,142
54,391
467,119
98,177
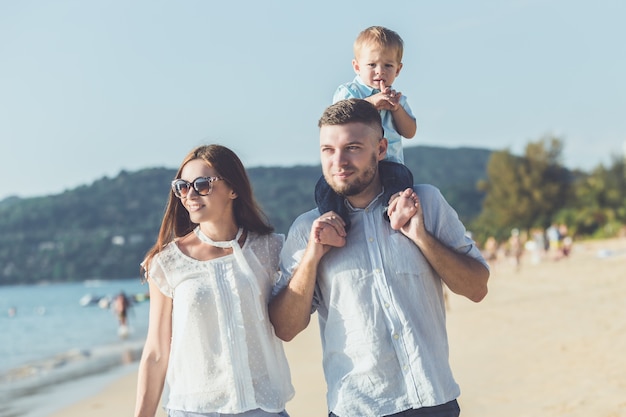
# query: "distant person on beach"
377,62
566,240
516,247
211,274
121,303
554,241
378,292
490,252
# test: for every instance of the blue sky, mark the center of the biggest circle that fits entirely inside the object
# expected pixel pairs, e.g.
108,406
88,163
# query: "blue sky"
88,88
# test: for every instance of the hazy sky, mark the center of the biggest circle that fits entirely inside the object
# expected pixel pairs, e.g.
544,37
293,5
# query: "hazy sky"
88,88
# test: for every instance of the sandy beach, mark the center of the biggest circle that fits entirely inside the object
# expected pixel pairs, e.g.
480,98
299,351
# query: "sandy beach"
549,340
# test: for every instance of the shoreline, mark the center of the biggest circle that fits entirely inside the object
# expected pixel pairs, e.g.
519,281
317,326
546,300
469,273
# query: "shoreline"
52,399
548,340
30,390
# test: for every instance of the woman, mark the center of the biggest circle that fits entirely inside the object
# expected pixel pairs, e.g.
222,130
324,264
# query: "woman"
211,272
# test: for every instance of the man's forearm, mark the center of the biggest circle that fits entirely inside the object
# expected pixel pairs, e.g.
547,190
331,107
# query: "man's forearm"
462,274
290,310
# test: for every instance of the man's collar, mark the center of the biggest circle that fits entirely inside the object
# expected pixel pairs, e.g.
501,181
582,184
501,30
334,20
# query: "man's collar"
371,204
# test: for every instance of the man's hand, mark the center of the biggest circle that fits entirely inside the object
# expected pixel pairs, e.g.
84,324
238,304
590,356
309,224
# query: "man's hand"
329,230
414,228
402,207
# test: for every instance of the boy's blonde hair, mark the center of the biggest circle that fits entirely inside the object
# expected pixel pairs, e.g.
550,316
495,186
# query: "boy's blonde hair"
381,37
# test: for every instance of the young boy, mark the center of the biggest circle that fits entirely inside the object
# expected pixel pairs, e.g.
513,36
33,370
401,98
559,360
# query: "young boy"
377,62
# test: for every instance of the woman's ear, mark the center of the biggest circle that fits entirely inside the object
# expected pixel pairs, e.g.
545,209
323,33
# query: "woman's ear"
233,195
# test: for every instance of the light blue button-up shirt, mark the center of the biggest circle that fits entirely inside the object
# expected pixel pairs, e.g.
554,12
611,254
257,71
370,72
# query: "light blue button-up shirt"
358,89
381,310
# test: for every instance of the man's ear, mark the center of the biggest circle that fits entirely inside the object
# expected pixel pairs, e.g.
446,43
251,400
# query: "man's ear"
382,148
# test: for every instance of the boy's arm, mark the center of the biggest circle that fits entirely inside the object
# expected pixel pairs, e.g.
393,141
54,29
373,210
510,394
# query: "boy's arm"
405,124
386,99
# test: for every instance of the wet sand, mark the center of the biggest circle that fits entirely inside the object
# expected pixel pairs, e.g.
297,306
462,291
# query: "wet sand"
549,340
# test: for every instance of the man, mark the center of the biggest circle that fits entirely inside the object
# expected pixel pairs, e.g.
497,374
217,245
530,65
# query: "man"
378,291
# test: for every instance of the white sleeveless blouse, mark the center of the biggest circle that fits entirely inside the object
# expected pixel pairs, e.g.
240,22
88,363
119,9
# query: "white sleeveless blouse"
224,355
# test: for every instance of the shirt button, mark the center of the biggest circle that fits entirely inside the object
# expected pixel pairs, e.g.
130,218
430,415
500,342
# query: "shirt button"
371,239
387,305
395,336
377,270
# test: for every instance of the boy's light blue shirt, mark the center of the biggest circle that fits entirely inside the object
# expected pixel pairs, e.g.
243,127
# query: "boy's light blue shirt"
358,89
381,310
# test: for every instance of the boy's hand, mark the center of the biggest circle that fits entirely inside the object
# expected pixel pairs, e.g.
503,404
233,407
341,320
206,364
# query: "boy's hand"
389,98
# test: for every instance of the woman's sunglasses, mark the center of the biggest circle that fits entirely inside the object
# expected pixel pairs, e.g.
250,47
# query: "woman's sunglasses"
202,185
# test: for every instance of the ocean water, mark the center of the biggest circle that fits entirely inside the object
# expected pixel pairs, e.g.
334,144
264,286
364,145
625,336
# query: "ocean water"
48,338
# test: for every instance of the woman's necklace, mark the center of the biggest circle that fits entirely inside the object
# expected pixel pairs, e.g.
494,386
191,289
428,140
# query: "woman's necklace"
220,244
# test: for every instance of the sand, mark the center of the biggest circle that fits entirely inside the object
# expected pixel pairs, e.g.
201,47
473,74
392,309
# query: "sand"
549,340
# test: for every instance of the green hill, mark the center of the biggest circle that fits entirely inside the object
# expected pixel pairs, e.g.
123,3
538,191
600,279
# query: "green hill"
103,230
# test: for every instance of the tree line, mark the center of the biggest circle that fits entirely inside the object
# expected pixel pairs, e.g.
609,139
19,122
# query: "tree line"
535,190
102,230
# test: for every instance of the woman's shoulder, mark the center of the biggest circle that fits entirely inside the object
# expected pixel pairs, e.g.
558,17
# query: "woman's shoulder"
169,253
168,248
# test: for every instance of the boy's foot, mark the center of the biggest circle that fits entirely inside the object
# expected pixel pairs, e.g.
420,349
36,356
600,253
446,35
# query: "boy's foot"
402,207
329,236
329,230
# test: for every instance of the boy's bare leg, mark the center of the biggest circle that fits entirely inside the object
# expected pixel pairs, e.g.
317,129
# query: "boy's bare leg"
402,207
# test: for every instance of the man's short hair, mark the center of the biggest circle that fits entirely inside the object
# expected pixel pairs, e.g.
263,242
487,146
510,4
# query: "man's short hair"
353,110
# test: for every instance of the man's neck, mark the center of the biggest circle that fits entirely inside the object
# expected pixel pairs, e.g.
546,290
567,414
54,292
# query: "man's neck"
365,197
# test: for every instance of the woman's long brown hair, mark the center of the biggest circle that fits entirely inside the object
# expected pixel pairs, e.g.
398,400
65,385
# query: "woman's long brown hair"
248,214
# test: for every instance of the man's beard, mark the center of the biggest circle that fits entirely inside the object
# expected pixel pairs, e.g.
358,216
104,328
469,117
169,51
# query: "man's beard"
359,184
